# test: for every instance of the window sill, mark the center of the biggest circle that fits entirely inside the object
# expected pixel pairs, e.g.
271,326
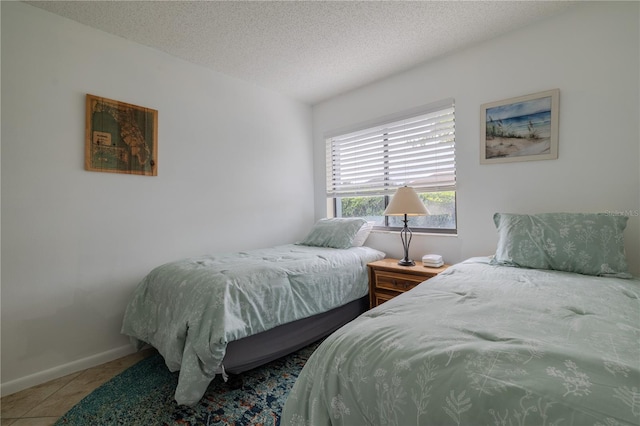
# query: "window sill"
431,234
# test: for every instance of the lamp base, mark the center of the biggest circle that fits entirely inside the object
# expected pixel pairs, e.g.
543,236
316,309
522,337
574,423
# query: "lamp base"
406,262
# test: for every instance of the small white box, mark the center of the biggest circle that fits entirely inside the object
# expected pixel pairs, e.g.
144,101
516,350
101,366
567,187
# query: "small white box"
432,260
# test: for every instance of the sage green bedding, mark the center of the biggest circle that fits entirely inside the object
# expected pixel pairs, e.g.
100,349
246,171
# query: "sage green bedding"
190,309
482,344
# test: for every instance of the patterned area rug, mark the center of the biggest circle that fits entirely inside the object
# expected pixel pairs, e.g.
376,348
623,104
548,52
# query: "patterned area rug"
143,395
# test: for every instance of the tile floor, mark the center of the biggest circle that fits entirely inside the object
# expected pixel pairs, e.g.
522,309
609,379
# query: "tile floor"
44,404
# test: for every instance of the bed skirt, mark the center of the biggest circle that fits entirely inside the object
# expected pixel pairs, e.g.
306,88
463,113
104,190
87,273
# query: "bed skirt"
258,349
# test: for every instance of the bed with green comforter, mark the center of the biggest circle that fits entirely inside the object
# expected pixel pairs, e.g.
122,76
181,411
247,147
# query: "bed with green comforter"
482,344
191,309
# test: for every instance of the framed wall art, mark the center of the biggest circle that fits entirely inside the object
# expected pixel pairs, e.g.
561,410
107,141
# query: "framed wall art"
120,137
520,129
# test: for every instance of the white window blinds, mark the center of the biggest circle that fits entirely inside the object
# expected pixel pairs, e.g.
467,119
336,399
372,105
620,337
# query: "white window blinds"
417,149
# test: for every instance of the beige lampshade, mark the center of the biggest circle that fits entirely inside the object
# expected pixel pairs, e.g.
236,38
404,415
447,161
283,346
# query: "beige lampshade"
406,201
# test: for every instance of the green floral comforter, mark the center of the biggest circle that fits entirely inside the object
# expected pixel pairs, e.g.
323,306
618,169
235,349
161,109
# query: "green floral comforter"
482,345
189,310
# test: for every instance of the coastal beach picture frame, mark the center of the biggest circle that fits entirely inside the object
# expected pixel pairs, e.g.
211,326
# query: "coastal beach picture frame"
120,137
523,128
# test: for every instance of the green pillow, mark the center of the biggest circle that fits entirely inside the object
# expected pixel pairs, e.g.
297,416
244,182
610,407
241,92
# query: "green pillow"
333,232
586,243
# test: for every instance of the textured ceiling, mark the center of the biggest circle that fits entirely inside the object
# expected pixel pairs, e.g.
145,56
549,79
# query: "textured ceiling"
308,50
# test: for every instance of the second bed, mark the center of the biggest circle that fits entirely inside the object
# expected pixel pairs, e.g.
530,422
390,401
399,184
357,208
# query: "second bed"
209,315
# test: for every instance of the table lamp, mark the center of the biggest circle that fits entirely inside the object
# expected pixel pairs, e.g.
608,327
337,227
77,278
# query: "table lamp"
406,202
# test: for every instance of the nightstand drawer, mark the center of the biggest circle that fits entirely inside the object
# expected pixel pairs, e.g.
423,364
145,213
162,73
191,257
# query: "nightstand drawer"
399,282
380,298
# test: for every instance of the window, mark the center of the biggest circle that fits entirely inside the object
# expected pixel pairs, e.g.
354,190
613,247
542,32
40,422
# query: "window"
366,164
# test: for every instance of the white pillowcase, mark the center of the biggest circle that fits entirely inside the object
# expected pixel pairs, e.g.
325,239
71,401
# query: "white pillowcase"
362,234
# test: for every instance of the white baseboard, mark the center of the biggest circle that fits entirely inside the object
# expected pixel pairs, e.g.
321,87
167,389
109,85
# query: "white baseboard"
62,370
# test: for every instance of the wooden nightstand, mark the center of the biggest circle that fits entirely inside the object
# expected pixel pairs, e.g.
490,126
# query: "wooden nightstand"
387,279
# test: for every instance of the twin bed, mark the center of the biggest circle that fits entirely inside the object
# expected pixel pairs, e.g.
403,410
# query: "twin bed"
482,344
502,340
546,331
232,312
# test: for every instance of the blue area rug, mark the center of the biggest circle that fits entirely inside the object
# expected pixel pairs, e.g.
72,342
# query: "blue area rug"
143,395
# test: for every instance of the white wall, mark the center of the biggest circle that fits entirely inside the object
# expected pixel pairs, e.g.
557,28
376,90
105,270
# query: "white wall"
234,172
591,53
